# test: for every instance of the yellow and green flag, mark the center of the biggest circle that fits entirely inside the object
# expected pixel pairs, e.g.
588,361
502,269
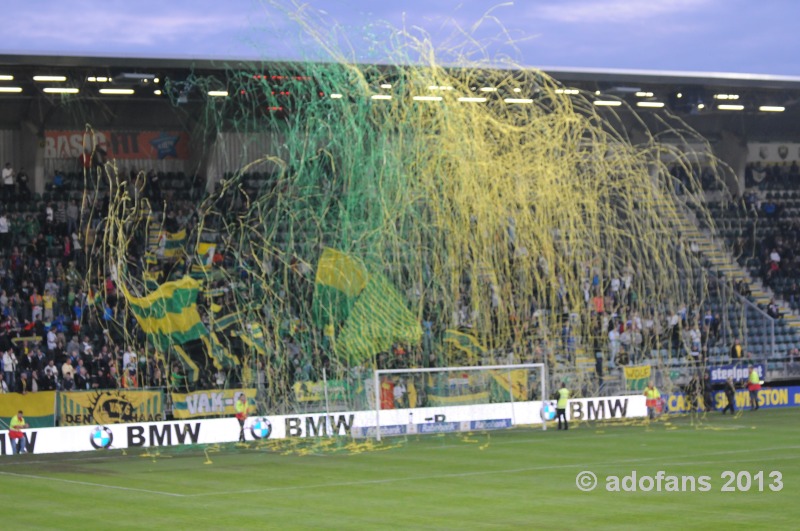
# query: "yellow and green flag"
636,377
174,243
466,343
515,381
203,260
39,408
378,317
169,315
340,271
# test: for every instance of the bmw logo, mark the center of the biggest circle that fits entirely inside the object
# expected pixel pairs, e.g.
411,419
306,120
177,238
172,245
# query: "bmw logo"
548,411
101,438
261,428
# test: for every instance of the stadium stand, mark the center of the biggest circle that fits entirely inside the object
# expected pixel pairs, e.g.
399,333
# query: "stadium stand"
49,313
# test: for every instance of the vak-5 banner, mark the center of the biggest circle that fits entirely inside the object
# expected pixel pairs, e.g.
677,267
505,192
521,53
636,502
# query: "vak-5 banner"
38,408
209,403
109,407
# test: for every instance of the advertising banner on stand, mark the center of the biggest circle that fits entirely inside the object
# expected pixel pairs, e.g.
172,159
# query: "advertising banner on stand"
109,407
39,408
209,403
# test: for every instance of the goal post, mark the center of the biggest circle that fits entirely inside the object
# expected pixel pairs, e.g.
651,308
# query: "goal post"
480,386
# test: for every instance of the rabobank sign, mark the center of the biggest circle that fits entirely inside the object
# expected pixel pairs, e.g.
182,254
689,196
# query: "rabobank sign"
496,424
439,427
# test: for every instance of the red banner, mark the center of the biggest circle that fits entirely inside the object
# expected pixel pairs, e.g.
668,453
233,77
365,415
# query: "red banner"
155,145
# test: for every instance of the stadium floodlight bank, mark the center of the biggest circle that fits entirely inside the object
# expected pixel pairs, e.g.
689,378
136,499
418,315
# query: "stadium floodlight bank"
483,397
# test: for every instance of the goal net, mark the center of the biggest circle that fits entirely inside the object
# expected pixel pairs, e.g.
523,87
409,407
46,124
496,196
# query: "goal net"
449,399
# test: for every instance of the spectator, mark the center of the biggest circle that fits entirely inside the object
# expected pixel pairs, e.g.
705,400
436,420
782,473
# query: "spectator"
98,379
25,385
695,343
5,231
36,305
10,368
48,303
58,182
794,361
68,383
129,379
49,381
8,183
83,380
399,394
772,309
67,368
730,395
23,190
737,352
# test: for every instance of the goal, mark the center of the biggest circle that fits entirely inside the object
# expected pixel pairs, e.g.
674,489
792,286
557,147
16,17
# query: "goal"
448,399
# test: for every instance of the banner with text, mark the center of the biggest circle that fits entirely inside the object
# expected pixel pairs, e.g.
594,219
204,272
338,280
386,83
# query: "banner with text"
103,435
768,397
738,371
109,407
636,378
209,403
132,145
315,391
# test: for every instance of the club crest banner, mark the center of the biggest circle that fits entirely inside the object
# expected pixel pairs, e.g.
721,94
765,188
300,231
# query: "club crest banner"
109,407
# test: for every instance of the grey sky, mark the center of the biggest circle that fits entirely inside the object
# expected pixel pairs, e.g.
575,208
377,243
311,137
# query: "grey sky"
698,35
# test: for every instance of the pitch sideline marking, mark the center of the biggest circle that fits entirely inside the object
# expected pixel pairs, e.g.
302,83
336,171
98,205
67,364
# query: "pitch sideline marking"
90,484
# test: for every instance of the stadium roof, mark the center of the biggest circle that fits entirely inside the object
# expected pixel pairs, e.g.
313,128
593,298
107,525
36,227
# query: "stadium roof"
693,94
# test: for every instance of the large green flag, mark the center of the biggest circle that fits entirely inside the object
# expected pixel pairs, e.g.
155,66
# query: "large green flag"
342,272
379,317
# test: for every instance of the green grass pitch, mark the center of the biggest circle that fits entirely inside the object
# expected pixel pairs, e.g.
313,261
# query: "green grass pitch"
513,479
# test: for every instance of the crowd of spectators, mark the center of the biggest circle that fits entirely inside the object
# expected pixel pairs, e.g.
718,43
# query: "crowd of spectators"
58,331
765,228
54,326
772,176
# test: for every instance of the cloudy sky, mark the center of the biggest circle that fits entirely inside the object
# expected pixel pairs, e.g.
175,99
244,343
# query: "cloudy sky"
745,36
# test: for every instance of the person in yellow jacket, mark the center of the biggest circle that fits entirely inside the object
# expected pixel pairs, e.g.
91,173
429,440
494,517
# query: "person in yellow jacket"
652,398
754,386
241,414
17,424
561,406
